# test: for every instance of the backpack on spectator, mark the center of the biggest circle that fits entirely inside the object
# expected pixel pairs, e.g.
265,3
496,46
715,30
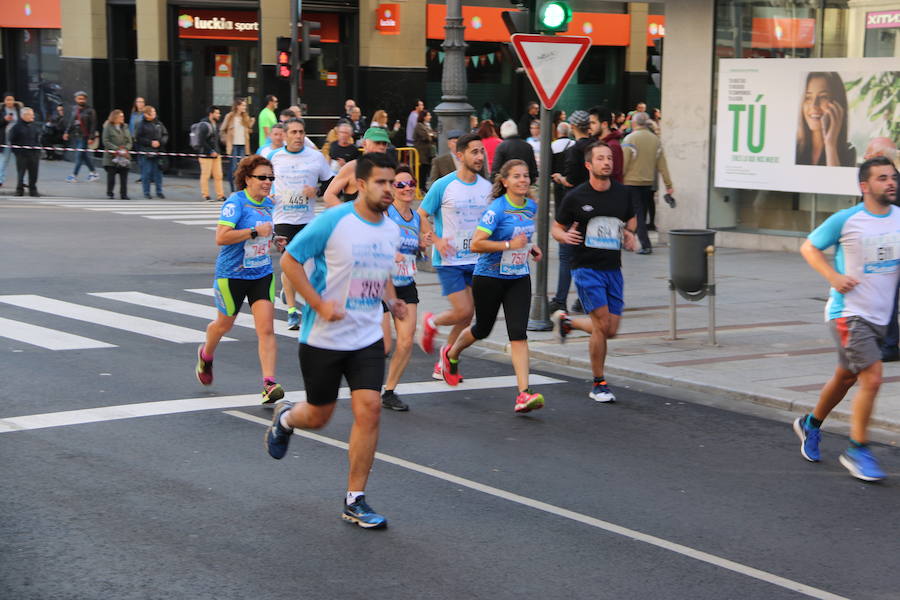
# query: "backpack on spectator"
199,131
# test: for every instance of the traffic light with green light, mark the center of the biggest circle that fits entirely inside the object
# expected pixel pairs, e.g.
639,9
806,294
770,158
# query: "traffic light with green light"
552,16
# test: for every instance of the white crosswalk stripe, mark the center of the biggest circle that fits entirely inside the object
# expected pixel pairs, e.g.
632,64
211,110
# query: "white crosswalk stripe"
98,316
44,337
205,311
182,213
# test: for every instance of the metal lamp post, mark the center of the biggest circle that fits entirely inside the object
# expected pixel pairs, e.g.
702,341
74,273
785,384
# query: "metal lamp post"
454,110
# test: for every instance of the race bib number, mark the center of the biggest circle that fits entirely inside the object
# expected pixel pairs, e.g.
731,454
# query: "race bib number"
881,255
463,245
604,233
296,202
256,253
366,289
515,262
406,268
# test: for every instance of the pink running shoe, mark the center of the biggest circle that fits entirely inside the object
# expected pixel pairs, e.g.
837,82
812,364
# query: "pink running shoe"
436,374
204,368
528,401
426,341
449,370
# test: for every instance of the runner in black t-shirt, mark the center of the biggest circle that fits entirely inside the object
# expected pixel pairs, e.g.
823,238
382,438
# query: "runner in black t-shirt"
598,219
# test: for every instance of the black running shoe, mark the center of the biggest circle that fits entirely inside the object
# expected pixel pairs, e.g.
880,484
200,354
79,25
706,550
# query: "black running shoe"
362,514
277,437
392,401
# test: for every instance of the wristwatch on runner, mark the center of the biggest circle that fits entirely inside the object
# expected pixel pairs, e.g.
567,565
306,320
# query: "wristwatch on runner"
253,233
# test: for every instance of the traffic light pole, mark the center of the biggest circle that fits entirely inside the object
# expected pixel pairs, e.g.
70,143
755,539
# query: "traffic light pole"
296,8
539,319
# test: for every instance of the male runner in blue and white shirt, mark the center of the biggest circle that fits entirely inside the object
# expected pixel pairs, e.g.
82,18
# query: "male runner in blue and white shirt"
352,247
456,201
863,278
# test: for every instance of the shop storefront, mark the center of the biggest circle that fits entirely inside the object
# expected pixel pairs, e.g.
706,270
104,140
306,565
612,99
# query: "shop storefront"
770,172
30,52
217,57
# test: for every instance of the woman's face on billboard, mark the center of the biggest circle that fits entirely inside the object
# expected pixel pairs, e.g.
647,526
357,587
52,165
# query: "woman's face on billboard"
816,102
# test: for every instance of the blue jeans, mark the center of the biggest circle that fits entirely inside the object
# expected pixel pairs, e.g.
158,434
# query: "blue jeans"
82,158
150,171
4,160
237,153
892,337
564,279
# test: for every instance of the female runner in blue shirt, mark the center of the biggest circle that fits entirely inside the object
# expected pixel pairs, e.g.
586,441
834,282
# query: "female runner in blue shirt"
244,270
502,277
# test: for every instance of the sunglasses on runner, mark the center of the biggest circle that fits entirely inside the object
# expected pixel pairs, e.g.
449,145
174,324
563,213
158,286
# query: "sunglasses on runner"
263,177
405,184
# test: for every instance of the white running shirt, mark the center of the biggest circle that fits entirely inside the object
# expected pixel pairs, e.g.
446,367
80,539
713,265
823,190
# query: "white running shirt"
457,208
293,172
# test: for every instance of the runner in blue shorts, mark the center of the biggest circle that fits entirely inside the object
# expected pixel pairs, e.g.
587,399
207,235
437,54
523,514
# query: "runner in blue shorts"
598,220
456,201
244,270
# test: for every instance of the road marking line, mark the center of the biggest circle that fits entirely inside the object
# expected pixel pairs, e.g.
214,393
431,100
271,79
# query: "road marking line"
51,339
168,407
99,316
170,216
552,509
152,211
191,309
208,222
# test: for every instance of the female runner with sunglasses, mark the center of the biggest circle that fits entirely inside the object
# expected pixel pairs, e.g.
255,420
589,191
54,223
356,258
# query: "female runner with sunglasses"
401,213
244,270
502,277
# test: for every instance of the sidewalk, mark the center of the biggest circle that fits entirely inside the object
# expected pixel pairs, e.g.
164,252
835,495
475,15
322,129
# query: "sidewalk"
773,347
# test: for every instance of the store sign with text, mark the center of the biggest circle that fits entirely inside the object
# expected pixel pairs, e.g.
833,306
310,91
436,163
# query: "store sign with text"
387,19
883,19
218,24
804,125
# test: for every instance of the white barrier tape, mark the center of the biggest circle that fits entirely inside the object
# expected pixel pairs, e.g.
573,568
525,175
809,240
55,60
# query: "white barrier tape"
130,152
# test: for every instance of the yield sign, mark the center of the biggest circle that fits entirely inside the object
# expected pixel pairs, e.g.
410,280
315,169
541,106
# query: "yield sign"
550,62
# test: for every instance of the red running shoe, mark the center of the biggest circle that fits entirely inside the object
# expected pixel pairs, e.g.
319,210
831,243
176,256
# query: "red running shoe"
449,370
528,401
426,340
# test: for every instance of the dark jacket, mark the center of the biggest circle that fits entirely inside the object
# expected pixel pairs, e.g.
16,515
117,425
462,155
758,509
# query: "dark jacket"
515,147
575,172
25,134
613,141
147,131
210,142
424,139
82,122
525,124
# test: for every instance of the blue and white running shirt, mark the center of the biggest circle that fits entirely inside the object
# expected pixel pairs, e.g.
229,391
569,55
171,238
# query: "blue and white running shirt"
353,259
405,270
457,207
503,221
248,259
293,172
868,249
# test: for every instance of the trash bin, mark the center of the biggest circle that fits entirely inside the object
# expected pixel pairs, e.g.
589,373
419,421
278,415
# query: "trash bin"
688,261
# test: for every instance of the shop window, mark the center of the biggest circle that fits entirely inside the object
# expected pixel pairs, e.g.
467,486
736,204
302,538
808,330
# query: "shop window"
776,29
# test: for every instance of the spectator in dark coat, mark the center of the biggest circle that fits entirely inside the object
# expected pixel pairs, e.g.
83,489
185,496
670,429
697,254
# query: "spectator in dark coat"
513,146
532,113
81,130
26,133
151,136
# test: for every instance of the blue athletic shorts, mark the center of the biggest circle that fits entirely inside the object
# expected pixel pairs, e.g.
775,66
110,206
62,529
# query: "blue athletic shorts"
455,278
600,288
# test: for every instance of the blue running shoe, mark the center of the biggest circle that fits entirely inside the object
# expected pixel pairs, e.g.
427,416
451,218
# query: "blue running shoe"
601,392
294,320
362,514
809,439
862,464
277,437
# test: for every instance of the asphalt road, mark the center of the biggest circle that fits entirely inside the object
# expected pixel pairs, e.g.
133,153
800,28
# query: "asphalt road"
652,497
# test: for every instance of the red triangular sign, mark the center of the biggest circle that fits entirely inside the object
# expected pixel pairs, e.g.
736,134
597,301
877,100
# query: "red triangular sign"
550,61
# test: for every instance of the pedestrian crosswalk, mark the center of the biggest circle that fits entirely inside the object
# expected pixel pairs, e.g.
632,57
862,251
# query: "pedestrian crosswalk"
205,214
23,318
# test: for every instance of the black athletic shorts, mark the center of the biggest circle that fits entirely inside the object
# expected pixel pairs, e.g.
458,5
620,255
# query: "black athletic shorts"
514,295
323,369
407,293
230,293
288,230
